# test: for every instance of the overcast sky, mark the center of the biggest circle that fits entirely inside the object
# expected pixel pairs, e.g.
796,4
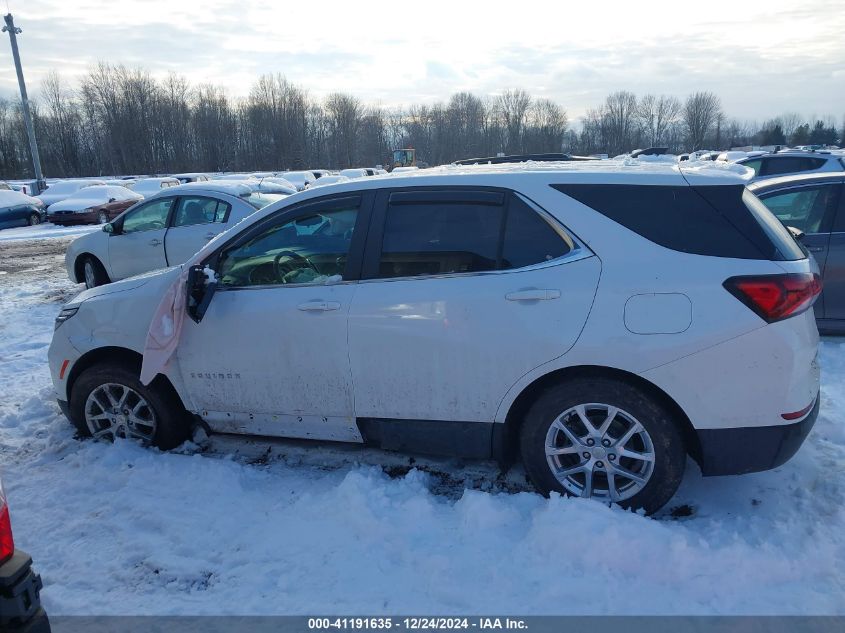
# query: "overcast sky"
762,58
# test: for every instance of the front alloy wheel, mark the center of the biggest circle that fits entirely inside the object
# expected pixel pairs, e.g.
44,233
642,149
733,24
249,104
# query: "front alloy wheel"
597,450
113,410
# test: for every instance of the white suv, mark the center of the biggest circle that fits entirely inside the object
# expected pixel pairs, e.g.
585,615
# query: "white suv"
601,320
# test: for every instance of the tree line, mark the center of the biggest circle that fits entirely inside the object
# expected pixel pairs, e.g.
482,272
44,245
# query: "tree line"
119,120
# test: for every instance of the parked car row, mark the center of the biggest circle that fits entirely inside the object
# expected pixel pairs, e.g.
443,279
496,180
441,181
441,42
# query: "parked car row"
373,312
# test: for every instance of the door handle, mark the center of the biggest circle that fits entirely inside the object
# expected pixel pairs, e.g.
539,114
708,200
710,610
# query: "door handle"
534,294
155,242
210,235
815,249
319,306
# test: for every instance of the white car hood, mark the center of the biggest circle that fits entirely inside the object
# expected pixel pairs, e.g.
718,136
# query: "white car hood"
164,276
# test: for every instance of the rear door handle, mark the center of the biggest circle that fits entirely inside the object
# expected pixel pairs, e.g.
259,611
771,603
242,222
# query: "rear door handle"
534,294
210,235
155,242
815,249
319,306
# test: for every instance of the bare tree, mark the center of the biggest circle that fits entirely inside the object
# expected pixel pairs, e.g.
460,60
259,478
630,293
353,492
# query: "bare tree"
656,116
701,112
512,106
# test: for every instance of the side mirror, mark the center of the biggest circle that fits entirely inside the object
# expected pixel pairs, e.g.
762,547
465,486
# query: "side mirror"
797,233
201,288
108,227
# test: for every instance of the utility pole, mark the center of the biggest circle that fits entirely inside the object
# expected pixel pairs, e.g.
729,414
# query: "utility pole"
27,118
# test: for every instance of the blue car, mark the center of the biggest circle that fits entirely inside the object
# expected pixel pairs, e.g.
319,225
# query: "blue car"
18,209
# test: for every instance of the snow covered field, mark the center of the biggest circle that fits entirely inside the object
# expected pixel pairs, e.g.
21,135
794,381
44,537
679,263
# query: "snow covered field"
123,530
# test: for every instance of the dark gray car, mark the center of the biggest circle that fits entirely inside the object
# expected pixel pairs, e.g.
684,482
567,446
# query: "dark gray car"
815,204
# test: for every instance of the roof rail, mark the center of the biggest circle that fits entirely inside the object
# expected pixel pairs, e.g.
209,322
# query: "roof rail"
522,158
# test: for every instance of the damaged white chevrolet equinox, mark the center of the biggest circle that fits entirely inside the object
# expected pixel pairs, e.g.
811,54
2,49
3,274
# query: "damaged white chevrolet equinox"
600,320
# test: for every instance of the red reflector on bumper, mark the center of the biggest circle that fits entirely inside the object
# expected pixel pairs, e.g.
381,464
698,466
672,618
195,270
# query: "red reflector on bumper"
798,414
63,369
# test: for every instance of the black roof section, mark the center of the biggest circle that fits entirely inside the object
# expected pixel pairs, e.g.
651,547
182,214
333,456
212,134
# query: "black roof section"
522,158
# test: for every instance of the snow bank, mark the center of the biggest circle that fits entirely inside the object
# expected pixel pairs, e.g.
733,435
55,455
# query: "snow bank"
123,530
41,231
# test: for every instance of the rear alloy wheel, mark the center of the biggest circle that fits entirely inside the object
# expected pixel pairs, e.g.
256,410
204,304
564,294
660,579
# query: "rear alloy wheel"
603,439
34,219
102,217
93,273
596,450
108,401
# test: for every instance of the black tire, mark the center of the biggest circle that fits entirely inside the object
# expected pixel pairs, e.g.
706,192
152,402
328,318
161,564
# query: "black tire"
173,423
34,219
97,276
662,429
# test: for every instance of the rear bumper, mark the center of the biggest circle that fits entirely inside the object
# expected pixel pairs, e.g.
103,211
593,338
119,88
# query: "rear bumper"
752,449
20,596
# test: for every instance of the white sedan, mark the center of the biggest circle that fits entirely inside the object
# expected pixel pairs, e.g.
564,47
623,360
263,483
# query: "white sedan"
161,231
330,180
64,189
299,179
150,186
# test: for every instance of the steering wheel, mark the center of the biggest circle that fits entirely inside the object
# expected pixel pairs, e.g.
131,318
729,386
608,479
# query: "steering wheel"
277,265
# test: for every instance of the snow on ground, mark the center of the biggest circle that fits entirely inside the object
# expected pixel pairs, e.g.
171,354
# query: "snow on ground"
116,529
46,230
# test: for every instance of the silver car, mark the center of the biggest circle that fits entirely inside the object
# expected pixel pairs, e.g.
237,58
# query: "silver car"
815,205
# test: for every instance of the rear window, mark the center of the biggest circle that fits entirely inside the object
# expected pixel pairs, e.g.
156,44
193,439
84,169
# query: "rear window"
713,220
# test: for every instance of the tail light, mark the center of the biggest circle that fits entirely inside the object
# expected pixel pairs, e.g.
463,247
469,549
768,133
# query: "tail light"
776,297
7,543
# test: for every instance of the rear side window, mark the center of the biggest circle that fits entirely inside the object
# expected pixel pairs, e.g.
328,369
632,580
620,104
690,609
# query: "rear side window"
530,238
791,164
443,232
754,164
714,220
435,238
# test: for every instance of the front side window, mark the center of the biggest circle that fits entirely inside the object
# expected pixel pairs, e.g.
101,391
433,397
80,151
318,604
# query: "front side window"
285,254
200,210
147,217
804,208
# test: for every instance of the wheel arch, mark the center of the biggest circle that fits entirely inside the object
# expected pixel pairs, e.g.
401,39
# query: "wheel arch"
116,355
506,436
79,262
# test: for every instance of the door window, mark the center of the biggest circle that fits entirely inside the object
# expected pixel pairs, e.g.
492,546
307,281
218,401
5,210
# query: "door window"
804,208
192,210
791,164
284,254
427,236
147,217
433,238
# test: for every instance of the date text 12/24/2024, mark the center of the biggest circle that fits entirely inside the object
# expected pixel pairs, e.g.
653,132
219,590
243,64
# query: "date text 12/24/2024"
416,623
